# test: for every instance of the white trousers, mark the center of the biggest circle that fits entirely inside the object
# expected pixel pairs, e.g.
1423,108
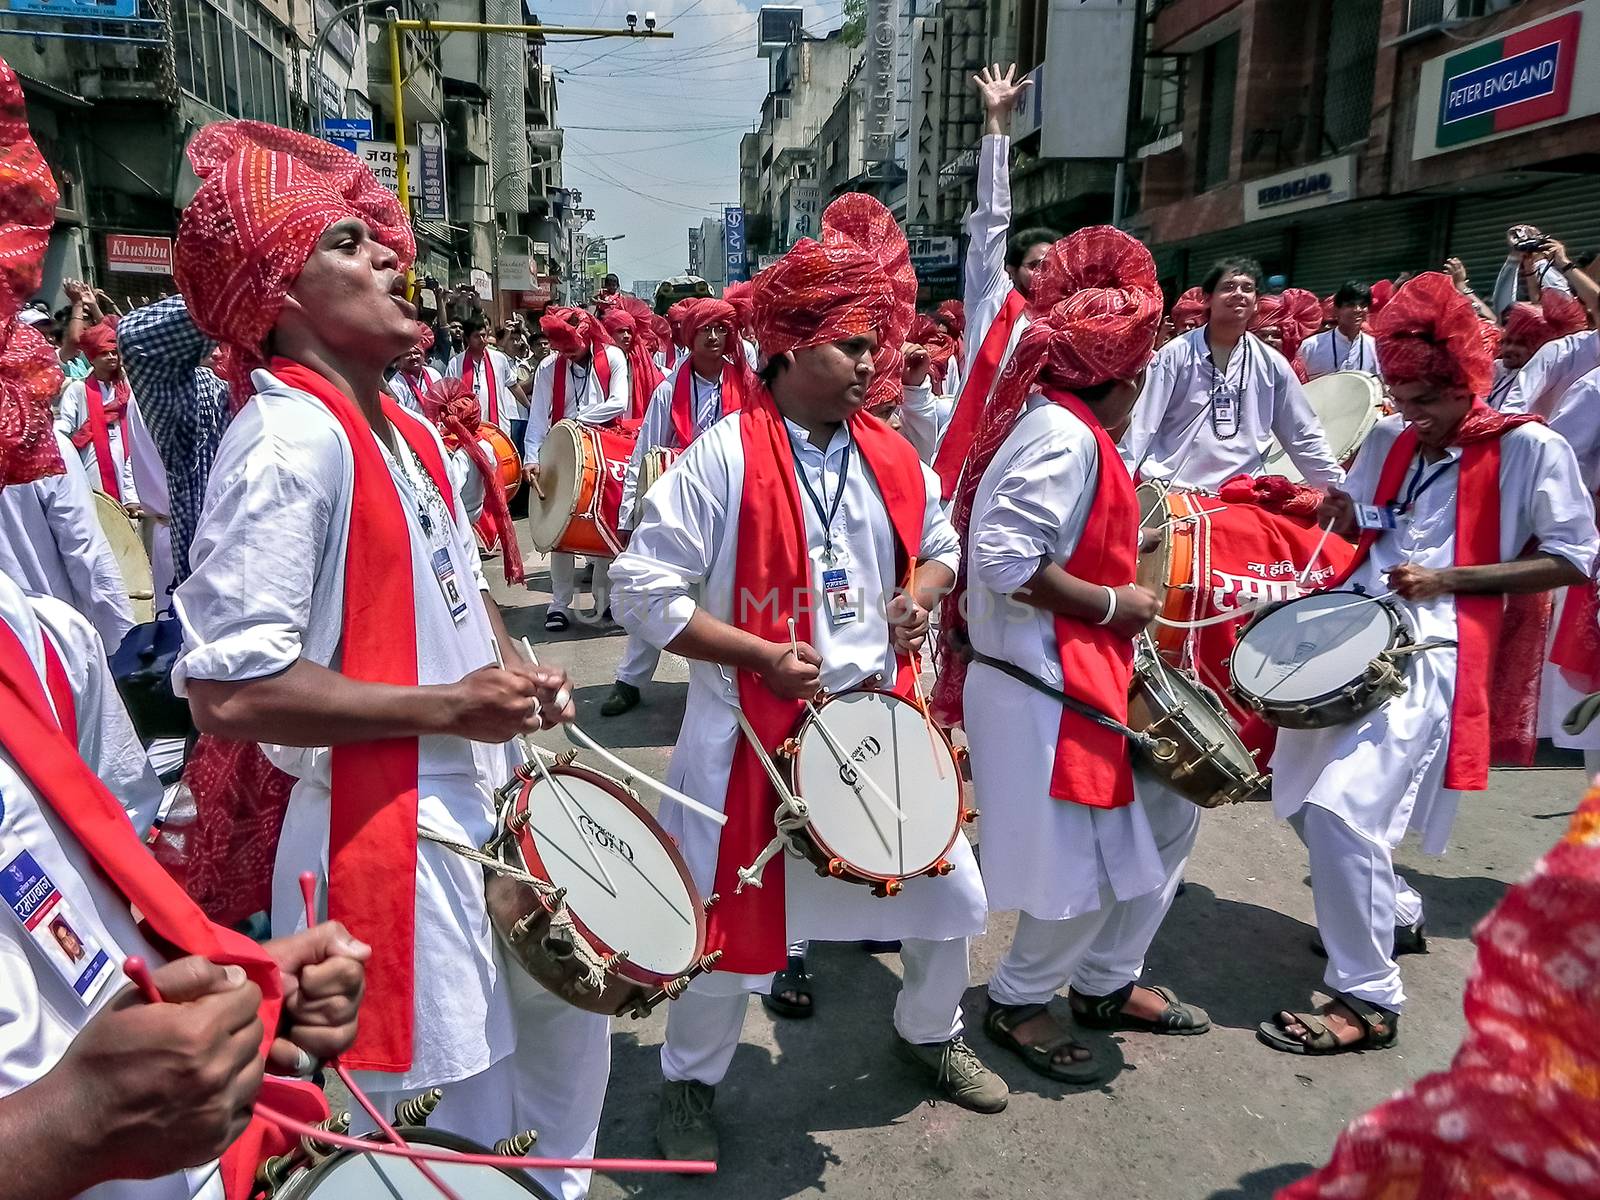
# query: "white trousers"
555,1083
1591,763
1359,901
639,662
703,1025
1098,952
564,580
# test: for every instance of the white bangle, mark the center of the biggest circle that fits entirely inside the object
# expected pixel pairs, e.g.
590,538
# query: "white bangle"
1111,607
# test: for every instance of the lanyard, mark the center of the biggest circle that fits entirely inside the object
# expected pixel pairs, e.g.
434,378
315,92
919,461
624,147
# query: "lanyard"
1220,375
1353,344
715,393
579,378
1420,484
428,498
1497,395
826,515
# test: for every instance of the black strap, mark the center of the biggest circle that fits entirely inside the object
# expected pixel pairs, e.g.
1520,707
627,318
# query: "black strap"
965,649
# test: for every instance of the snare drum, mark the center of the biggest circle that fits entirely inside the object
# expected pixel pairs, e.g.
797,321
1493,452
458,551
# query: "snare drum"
1321,660
850,833
352,1175
656,461
612,922
1347,405
581,471
1196,750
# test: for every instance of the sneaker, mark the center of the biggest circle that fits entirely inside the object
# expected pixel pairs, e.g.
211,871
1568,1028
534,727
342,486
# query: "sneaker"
684,1130
959,1073
623,697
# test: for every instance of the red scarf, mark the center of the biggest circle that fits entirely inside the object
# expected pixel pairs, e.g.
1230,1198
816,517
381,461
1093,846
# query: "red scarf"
418,384
1093,765
100,415
1478,617
749,926
601,364
683,406
644,377
372,839
975,391
37,743
469,368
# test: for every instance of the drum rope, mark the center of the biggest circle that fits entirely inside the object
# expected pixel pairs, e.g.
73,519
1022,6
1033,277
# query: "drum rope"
473,854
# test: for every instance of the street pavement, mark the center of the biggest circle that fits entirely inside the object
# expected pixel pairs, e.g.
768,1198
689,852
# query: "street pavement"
824,1106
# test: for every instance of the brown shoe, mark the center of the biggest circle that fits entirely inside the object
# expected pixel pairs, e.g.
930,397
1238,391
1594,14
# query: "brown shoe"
959,1073
685,1130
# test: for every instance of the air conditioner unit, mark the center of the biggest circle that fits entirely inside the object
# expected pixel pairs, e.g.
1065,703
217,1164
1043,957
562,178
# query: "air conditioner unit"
777,26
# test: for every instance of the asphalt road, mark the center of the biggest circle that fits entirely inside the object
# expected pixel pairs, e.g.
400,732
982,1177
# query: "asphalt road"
824,1107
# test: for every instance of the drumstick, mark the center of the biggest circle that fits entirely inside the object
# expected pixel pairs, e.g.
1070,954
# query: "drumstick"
1315,554
839,752
916,687
575,734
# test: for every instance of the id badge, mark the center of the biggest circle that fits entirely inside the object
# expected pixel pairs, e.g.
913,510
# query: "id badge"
837,597
39,907
1376,517
445,572
1225,412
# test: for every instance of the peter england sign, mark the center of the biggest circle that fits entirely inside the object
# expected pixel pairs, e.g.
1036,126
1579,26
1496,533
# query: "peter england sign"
1537,74
1315,186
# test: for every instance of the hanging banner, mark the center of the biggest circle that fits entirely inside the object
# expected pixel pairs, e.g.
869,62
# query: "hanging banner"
430,169
733,242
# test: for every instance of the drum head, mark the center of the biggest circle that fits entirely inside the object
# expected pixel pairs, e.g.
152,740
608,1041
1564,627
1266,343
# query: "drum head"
1347,405
128,549
351,1175
642,901
886,739
1311,647
560,456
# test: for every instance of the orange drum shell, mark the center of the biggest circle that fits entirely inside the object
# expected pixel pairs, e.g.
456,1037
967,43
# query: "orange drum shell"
1169,569
508,463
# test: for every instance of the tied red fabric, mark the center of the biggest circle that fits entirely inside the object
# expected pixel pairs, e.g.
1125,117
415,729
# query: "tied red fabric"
697,313
643,375
1094,765
773,564
480,360
734,386
1576,647
1189,310
940,345
740,297
453,407
1429,333
1382,292
953,314
372,848
975,389
103,412
1533,326
266,196
1300,316
82,804
1273,493
1516,1115
1478,617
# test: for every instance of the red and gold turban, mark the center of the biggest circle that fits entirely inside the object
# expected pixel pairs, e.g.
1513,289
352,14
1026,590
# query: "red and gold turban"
30,374
1189,309
266,195
572,330
424,337
703,311
1428,333
97,340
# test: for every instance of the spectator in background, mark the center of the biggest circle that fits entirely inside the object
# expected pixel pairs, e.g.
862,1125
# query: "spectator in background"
1562,362
1347,346
1529,269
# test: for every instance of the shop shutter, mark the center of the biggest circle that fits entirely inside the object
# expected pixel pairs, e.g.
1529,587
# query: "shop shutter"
1367,244
1566,208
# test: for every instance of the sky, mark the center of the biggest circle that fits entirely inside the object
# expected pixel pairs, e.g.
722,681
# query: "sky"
653,127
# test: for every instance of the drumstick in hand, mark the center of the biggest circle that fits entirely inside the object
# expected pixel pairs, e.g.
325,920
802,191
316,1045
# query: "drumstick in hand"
916,686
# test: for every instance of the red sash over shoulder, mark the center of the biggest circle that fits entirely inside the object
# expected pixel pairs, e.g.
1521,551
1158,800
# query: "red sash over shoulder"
774,563
100,415
683,403
975,391
372,847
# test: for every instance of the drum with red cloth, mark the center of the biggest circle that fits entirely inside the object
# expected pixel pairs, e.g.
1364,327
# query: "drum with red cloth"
576,506
508,463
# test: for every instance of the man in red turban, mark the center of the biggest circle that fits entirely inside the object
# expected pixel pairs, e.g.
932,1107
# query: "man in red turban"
643,375
1456,506
97,412
1529,328
769,555
412,378
1188,311
1089,849
587,379
337,612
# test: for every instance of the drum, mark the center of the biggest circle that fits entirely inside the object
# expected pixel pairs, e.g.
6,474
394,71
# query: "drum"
1321,660
1174,557
1196,748
352,1175
870,734
581,471
611,921
127,547
1348,404
656,461
508,463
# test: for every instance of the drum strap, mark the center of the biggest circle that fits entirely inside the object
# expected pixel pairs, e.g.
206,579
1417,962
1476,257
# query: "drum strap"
1086,711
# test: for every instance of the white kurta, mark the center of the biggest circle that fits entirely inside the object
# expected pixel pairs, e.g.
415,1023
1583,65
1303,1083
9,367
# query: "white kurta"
1501,385
1045,856
75,412
1554,368
1384,773
505,374
267,589
705,410
682,556
150,477
1174,431
406,395
586,401
1329,351
39,1014
925,415
51,543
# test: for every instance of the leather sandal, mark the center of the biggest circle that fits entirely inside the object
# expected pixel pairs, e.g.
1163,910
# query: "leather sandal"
1105,1012
1380,1029
796,980
1000,1023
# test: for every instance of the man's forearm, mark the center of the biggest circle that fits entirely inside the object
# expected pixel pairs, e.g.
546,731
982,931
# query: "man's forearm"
932,584
310,705
1055,591
1540,573
37,1125
709,640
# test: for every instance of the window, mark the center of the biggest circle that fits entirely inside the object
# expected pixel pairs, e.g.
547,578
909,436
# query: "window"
785,107
1219,71
236,66
1352,64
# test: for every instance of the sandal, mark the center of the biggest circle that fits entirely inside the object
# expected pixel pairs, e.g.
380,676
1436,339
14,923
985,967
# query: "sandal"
1002,1019
1380,1029
794,980
555,622
1105,1012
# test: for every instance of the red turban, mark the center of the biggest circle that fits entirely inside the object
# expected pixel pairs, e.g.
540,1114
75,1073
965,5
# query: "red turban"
1268,314
1382,293
1556,315
1428,333
266,195
616,320
424,337
1189,308
703,311
740,296
30,374
1300,318
663,331
571,330
97,340
675,315
1493,335
954,314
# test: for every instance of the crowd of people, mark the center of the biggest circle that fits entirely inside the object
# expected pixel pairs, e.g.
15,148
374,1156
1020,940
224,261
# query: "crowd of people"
856,491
